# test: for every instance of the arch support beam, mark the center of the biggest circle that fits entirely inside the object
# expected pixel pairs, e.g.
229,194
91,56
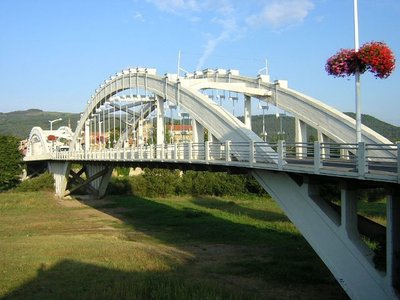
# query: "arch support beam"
247,111
342,255
300,137
198,132
160,121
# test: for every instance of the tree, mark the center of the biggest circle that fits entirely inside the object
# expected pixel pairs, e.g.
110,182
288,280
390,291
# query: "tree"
10,162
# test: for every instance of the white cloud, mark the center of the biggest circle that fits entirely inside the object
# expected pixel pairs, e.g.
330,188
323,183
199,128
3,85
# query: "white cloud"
175,6
281,14
138,17
232,22
230,29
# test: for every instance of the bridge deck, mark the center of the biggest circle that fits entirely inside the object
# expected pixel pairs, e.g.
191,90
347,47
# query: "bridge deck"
287,158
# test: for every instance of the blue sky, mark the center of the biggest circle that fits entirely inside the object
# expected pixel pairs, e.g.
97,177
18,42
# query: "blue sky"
54,54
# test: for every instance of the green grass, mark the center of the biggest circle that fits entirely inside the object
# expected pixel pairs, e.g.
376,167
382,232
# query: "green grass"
170,248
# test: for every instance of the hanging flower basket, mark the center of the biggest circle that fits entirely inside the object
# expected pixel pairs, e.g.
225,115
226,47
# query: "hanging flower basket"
378,58
375,57
51,138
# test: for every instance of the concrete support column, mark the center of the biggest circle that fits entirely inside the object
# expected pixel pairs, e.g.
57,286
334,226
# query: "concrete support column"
100,184
60,171
160,121
322,138
140,132
301,138
349,213
198,132
349,264
87,137
393,241
212,138
247,111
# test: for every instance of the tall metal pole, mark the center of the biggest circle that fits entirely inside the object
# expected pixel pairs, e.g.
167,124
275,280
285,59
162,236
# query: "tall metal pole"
357,76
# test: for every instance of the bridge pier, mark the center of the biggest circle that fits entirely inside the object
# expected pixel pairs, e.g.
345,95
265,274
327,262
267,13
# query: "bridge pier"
393,241
103,174
60,171
334,236
94,182
67,181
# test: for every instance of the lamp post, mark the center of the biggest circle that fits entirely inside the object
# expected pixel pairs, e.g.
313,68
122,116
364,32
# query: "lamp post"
357,76
52,121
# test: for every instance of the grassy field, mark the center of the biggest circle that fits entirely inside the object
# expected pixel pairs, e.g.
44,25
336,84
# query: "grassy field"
174,248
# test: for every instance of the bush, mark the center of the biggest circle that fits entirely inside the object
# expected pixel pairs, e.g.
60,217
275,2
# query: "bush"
161,182
119,186
164,182
44,182
10,162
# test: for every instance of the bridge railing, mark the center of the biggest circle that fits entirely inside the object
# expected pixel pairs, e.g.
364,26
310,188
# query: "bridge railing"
361,160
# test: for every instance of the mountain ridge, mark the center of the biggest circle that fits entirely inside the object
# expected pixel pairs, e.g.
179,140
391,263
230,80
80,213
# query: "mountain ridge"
19,123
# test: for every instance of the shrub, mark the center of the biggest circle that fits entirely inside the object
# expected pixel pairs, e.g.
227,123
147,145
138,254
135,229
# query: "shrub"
10,162
164,182
119,186
44,182
139,186
161,182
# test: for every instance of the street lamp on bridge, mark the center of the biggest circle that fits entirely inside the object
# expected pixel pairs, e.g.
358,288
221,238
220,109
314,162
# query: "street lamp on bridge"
52,121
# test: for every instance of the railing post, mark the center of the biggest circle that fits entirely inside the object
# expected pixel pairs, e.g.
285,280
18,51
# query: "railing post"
317,157
207,151
190,150
251,153
280,154
162,151
398,161
362,167
227,150
176,151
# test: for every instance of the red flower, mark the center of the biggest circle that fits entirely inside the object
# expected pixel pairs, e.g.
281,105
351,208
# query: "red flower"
378,58
375,57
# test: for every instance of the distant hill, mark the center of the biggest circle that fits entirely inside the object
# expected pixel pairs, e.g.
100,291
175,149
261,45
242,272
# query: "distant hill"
20,123
273,127
389,131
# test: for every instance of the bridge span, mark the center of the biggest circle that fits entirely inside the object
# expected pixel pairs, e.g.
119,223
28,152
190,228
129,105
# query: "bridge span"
138,118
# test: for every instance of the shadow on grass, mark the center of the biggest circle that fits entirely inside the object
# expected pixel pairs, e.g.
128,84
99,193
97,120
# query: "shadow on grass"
281,259
76,280
233,208
284,257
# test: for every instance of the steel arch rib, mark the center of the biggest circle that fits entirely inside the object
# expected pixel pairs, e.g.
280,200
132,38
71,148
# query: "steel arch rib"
221,123
333,123
38,133
224,126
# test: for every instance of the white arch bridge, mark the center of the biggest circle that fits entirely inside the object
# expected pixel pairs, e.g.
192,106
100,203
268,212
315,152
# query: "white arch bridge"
137,118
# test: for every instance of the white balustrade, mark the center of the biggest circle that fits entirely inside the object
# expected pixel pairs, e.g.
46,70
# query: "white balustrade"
355,160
